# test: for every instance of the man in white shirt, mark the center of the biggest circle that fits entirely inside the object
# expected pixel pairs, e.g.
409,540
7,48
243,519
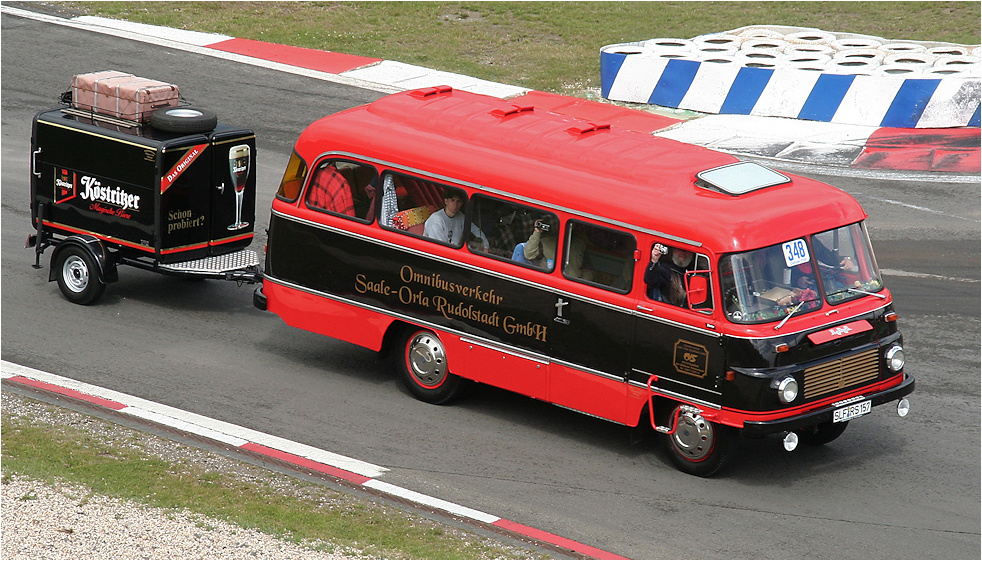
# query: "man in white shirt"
447,224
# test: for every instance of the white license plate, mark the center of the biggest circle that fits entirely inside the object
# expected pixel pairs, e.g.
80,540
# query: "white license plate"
843,414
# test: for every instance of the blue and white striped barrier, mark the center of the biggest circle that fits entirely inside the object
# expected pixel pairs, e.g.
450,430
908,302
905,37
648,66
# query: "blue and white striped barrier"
801,73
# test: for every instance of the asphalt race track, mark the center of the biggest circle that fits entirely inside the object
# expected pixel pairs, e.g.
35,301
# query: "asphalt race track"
888,488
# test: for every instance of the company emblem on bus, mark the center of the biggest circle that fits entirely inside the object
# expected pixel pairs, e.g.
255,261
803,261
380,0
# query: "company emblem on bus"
691,358
66,186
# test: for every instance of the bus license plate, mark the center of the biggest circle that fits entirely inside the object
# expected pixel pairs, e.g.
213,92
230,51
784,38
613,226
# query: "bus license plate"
843,414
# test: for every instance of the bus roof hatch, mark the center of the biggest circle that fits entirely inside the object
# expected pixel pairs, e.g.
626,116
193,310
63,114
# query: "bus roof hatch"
740,178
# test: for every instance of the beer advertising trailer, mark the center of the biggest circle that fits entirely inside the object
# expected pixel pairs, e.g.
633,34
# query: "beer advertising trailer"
125,175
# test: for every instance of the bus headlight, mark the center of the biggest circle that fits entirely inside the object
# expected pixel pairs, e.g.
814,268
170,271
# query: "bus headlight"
895,358
787,389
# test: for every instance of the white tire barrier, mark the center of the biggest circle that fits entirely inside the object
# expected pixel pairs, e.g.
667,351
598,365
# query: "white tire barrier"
801,73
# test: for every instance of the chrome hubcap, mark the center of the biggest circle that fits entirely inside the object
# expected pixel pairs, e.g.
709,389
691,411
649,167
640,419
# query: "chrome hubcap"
76,273
427,360
694,437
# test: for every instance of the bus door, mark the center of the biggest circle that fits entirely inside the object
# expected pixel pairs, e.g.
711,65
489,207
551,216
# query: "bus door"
593,321
676,346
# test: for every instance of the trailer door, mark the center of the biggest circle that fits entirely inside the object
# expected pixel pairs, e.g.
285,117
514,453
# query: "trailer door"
233,193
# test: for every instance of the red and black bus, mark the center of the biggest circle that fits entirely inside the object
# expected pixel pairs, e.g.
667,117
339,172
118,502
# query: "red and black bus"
628,277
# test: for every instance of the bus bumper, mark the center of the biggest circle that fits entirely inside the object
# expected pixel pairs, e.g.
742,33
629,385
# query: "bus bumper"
763,428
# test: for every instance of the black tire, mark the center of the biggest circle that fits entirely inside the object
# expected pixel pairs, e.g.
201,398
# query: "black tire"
423,365
822,434
78,275
699,447
183,120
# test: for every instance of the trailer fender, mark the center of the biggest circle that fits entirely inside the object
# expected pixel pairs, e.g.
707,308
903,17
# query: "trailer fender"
95,248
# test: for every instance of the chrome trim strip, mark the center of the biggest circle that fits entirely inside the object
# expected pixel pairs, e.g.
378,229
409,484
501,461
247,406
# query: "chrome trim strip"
529,357
680,397
588,414
677,382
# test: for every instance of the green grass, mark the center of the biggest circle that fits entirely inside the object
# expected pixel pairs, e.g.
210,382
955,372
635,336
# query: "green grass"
322,516
549,46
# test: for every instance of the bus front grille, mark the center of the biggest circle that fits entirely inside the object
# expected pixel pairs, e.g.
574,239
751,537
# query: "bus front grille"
842,373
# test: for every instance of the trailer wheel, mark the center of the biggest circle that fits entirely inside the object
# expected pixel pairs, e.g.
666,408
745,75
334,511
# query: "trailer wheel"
823,433
423,364
78,275
183,120
699,447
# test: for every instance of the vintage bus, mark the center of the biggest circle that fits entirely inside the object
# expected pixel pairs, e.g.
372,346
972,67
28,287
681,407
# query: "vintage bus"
628,277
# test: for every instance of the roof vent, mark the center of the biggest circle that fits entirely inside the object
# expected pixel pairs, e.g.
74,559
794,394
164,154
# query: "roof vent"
587,127
425,93
510,110
740,178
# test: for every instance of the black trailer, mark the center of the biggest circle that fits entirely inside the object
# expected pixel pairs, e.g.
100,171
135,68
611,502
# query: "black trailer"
176,196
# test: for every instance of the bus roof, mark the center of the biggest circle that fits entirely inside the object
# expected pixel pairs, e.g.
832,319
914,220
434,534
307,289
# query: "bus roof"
621,176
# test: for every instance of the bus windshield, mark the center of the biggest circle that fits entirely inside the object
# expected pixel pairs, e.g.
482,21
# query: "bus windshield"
793,277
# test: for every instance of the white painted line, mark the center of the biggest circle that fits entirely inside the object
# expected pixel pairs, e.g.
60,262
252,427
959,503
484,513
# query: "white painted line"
403,76
180,35
895,273
431,501
183,425
197,424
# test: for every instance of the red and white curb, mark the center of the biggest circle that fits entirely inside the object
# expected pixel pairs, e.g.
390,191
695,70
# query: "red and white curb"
348,469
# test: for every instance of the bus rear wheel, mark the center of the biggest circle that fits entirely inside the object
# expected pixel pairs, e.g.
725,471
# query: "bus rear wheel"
699,447
423,364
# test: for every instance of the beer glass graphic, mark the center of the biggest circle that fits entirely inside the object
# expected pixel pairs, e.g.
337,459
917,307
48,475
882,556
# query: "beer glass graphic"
238,166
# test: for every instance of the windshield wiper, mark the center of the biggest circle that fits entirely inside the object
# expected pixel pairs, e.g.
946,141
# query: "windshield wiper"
791,313
857,291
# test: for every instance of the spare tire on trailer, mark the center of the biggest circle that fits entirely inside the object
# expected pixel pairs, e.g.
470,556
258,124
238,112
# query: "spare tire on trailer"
183,120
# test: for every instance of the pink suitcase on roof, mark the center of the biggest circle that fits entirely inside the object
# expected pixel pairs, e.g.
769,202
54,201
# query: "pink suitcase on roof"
137,99
122,95
84,87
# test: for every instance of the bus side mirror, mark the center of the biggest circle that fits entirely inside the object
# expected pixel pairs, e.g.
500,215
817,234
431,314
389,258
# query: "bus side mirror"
697,289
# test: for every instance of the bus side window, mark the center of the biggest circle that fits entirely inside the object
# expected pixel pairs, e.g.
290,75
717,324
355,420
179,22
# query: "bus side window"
425,208
296,172
599,255
511,232
407,202
341,187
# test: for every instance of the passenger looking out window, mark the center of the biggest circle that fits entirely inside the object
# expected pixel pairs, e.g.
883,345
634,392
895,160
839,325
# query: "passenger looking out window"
540,249
448,224
665,275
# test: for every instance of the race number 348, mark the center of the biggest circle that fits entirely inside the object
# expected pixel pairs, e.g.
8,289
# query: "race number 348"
795,252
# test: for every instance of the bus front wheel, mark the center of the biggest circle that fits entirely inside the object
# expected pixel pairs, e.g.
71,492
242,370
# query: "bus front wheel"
699,447
423,364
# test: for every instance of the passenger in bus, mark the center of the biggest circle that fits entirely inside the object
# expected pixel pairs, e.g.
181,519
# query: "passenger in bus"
665,281
447,224
540,249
